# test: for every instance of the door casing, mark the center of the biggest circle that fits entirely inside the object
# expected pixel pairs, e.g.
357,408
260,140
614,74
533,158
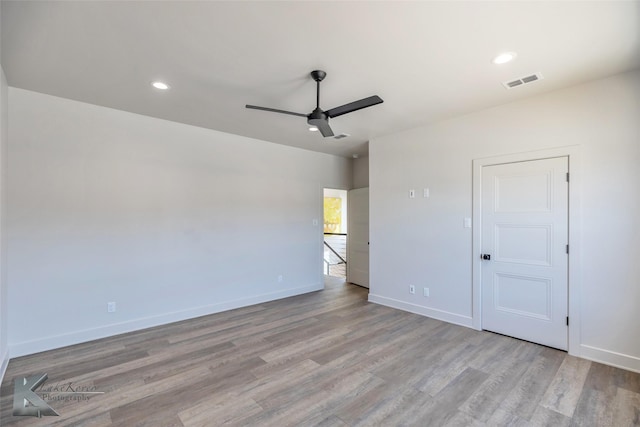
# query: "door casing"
573,154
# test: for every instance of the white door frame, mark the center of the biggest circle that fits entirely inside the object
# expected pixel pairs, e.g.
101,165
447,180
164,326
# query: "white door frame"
573,282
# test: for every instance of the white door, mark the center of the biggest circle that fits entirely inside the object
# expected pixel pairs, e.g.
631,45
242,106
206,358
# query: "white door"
358,237
525,210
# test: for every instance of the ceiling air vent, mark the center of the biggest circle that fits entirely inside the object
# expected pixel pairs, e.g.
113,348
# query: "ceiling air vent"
523,80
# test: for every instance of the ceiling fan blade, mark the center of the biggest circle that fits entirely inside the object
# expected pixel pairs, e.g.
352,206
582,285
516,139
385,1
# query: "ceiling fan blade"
323,126
273,110
354,106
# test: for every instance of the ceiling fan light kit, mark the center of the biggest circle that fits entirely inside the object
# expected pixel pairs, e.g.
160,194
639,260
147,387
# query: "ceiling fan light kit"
160,85
504,57
319,118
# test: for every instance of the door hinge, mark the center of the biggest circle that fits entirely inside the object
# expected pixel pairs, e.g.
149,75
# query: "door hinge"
567,248
567,320
567,176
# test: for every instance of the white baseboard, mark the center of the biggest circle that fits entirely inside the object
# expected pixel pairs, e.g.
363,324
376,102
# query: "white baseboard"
445,316
76,337
607,357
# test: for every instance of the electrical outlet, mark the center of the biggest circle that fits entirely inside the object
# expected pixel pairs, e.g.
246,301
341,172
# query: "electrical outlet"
111,307
425,292
412,289
280,278
425,193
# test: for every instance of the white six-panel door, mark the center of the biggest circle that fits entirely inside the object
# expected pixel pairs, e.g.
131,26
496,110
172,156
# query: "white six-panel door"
524,249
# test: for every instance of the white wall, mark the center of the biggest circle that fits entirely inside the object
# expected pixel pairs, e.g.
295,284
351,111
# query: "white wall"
422,241
361,172
169,221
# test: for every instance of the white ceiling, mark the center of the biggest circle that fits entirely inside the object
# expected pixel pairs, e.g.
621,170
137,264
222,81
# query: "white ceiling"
427,60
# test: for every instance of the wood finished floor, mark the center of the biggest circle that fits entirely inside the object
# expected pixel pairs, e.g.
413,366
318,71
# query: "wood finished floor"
328,358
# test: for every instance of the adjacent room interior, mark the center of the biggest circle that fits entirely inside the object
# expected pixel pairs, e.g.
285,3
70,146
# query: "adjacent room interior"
319,213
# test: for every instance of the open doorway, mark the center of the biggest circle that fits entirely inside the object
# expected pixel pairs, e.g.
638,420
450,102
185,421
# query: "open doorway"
335,233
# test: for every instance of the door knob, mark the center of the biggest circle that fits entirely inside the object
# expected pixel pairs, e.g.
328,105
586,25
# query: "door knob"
486,257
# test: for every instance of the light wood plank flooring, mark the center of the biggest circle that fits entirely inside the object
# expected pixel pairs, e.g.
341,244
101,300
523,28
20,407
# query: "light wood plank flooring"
325,359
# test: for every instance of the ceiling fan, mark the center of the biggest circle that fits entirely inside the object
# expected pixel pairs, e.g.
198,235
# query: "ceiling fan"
320,118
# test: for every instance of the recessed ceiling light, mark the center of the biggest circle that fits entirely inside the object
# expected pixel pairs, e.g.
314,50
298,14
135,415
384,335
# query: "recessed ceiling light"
504,57
313,129
160,85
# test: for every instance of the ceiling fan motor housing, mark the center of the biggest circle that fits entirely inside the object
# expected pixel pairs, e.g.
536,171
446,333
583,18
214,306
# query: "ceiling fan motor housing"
320,119
316,115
